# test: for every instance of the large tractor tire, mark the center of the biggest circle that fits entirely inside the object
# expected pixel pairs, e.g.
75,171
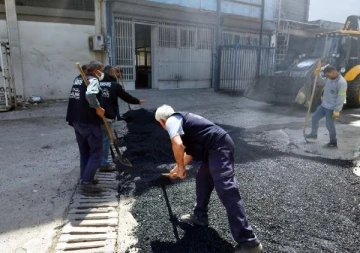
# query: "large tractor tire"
353,93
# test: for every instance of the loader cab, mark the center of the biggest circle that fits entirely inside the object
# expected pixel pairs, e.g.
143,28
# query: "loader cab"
341,49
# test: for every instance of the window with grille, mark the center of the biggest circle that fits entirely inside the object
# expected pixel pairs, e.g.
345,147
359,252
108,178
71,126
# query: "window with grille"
239,38
124,47
187,38
205,39
227,38
168,37
83,5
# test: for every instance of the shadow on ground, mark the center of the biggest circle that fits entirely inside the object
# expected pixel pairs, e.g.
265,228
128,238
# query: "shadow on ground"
205,240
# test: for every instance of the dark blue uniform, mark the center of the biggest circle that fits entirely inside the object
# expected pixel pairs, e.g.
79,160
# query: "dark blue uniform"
209,143
87,125
111,91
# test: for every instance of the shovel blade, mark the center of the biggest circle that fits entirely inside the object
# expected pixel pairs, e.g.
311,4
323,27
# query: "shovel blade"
123,161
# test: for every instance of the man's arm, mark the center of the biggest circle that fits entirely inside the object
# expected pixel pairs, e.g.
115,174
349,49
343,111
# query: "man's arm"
92,90
179,152
187,159
341,97
122,94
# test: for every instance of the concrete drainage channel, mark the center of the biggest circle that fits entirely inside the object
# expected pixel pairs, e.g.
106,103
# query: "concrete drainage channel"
92,220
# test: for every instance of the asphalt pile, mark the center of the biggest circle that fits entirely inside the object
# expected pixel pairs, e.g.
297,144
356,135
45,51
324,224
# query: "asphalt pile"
295,203
146,140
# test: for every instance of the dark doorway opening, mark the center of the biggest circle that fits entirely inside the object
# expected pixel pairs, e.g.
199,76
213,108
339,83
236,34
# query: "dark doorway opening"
143,56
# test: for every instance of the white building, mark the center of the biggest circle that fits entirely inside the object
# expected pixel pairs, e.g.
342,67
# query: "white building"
160,44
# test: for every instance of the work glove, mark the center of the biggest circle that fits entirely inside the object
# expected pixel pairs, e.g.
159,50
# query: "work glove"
336,115
317,71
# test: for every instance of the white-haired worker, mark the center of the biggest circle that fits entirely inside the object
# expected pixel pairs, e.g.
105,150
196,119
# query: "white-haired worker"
194,137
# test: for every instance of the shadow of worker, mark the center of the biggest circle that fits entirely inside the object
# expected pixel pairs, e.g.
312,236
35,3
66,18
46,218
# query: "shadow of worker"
195,240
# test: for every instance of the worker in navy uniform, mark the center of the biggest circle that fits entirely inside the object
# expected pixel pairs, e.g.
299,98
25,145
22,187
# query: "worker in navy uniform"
118,74
196,138
84,114
111,91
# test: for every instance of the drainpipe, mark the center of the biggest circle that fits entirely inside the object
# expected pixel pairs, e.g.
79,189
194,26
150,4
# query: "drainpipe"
98,9
217,43
261,36
109,33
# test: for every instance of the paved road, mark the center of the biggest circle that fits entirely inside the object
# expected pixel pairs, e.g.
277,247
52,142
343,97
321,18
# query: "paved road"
298,198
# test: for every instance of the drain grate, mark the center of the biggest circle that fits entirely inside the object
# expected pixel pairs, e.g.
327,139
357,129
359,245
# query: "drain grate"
92,220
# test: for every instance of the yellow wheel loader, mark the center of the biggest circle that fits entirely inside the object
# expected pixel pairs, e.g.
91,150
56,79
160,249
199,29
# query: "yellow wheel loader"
339,48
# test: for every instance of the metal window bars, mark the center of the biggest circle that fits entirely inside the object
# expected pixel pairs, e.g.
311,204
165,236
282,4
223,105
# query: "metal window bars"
125,47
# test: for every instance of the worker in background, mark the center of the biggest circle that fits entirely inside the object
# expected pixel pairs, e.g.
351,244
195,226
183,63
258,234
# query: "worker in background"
111,91
84,69
119,75
84,113
332,103
194,137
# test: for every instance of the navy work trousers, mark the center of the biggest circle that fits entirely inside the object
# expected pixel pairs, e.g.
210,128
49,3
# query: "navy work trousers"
89,139
218,172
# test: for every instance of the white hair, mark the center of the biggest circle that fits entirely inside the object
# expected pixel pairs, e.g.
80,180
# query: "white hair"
164,112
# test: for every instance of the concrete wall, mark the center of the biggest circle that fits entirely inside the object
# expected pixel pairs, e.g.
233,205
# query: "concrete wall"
246,8
296,10
49,52
3,30
184,68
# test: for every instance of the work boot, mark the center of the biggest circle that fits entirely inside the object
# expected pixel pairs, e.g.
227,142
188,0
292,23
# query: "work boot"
245,248
89,187
107,168
193,220
330,145
311,137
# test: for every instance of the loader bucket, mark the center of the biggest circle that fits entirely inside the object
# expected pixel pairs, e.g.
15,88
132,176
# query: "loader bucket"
276,89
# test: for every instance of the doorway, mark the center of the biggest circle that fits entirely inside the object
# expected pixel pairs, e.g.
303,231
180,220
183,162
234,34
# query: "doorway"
143,56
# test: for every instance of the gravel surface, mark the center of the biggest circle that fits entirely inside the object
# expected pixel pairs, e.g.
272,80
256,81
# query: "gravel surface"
295,203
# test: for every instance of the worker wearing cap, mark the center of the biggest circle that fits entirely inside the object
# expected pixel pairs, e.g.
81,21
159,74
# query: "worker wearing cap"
332,103
194,137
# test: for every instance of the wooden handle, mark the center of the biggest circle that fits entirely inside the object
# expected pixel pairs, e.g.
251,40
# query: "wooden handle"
168,174
82,74
108,129
318,66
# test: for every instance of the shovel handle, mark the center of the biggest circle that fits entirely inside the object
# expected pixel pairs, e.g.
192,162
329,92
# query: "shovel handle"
82,74
168,174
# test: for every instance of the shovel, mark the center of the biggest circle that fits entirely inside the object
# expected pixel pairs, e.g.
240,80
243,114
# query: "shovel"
119,158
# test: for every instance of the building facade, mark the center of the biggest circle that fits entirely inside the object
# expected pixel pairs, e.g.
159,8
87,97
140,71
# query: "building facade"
52,36
160,44
169,44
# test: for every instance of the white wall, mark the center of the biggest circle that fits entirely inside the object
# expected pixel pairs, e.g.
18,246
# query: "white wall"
184,68
49,52
3,31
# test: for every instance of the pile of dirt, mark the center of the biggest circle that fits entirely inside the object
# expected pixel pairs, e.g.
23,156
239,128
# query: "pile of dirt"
146,141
